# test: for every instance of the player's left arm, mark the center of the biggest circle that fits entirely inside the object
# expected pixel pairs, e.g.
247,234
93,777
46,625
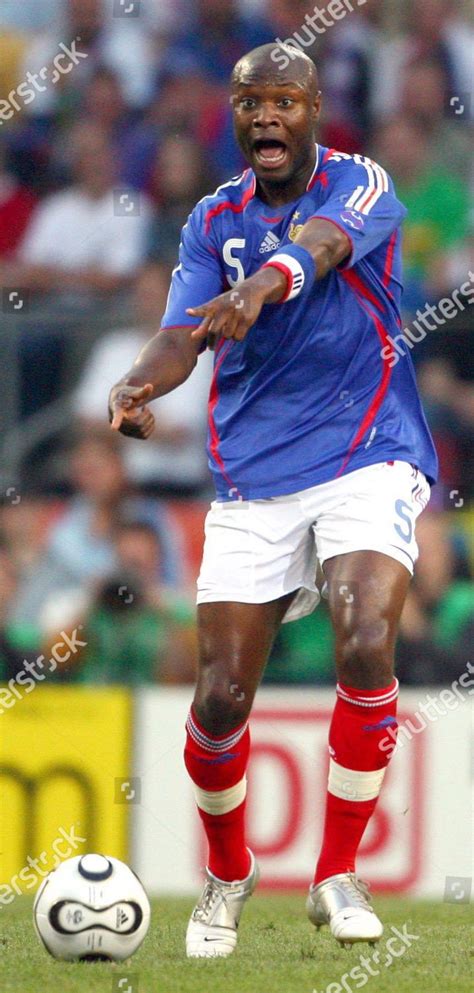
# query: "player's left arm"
319,247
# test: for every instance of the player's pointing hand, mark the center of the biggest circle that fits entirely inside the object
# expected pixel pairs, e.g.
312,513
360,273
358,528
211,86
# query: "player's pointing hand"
128,412
231,314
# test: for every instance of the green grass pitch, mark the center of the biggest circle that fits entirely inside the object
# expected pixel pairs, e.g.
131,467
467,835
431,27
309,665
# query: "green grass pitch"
278,952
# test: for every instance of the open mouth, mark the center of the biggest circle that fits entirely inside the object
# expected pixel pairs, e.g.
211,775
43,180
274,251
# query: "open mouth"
270,152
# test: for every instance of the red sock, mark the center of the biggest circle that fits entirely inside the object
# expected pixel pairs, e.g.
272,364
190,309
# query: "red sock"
217,768
359,756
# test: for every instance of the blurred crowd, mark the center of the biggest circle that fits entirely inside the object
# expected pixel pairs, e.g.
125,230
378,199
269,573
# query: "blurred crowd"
114,121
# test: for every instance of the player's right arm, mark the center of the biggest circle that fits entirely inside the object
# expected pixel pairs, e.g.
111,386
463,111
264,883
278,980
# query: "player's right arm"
170,356
164,363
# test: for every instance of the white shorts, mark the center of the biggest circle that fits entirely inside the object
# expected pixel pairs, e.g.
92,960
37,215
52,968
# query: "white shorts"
260,550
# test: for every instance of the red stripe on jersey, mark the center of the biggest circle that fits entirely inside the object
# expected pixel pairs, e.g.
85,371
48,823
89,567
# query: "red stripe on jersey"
358,286
330,151
318,177
389,259
375,193
363,294
236,208
368,199
213,400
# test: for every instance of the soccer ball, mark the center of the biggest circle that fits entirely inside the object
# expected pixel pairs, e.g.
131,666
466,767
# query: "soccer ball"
92,907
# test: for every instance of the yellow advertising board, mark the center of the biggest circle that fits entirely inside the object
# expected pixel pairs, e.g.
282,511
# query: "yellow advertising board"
65,761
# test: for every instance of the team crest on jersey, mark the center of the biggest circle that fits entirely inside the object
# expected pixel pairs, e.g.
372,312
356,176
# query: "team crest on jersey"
294,231
353,219
269,243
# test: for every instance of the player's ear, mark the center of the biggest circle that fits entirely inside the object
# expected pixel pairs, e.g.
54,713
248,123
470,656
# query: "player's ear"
316,107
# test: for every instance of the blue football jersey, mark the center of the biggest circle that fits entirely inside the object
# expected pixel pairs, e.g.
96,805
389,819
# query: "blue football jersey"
312,392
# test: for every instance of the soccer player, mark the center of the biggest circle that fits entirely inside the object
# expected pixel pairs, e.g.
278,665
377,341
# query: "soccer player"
320,451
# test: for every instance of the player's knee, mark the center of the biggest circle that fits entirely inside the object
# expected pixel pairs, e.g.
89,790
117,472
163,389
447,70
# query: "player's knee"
365,653
221,708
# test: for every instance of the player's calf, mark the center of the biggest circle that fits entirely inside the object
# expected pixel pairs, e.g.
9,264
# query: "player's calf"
217,766
356,773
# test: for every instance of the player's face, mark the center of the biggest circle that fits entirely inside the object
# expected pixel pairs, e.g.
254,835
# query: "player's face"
275,127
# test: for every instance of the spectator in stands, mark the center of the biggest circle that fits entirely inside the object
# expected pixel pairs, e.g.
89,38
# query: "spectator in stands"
219,37
196,112
29,15
424,99
200,108
174,459
179,178
136,632
287,20
17,642
437,202
104,107
437,625
121,43
17,204
10,659
449,268
80,549
449,405
12,48
85,243
349,65
201,59
24,522
437,32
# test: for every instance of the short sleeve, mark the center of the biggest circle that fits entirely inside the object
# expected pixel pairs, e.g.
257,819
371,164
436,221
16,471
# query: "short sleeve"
198,277
361,202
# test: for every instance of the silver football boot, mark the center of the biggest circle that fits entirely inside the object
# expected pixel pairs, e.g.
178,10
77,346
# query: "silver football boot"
212,930
343,902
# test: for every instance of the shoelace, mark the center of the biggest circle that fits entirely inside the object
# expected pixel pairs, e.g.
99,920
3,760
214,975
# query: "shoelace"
209,898
359,890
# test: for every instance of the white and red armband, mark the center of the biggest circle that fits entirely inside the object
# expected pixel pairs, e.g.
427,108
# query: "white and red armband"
298,267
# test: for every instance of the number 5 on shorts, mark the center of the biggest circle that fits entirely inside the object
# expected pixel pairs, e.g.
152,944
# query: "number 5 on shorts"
405,530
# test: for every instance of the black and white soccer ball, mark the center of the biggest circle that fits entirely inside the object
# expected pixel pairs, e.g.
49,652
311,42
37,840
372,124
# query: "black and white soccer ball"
92,907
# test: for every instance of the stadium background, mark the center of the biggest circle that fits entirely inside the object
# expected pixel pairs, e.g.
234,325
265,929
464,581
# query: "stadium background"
99,169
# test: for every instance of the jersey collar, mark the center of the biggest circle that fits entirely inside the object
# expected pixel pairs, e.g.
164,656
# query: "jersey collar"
312,178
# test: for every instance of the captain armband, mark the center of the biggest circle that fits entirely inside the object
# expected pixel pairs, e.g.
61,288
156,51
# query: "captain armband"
298,267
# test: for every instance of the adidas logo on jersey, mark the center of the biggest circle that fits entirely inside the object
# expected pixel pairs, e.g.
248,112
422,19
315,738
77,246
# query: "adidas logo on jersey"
269,243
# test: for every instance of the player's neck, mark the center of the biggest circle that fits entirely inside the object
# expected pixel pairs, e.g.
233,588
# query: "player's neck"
277,194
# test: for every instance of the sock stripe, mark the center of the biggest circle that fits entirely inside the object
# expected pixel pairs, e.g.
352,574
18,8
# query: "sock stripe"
221,801
350,784
360,700
209,743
